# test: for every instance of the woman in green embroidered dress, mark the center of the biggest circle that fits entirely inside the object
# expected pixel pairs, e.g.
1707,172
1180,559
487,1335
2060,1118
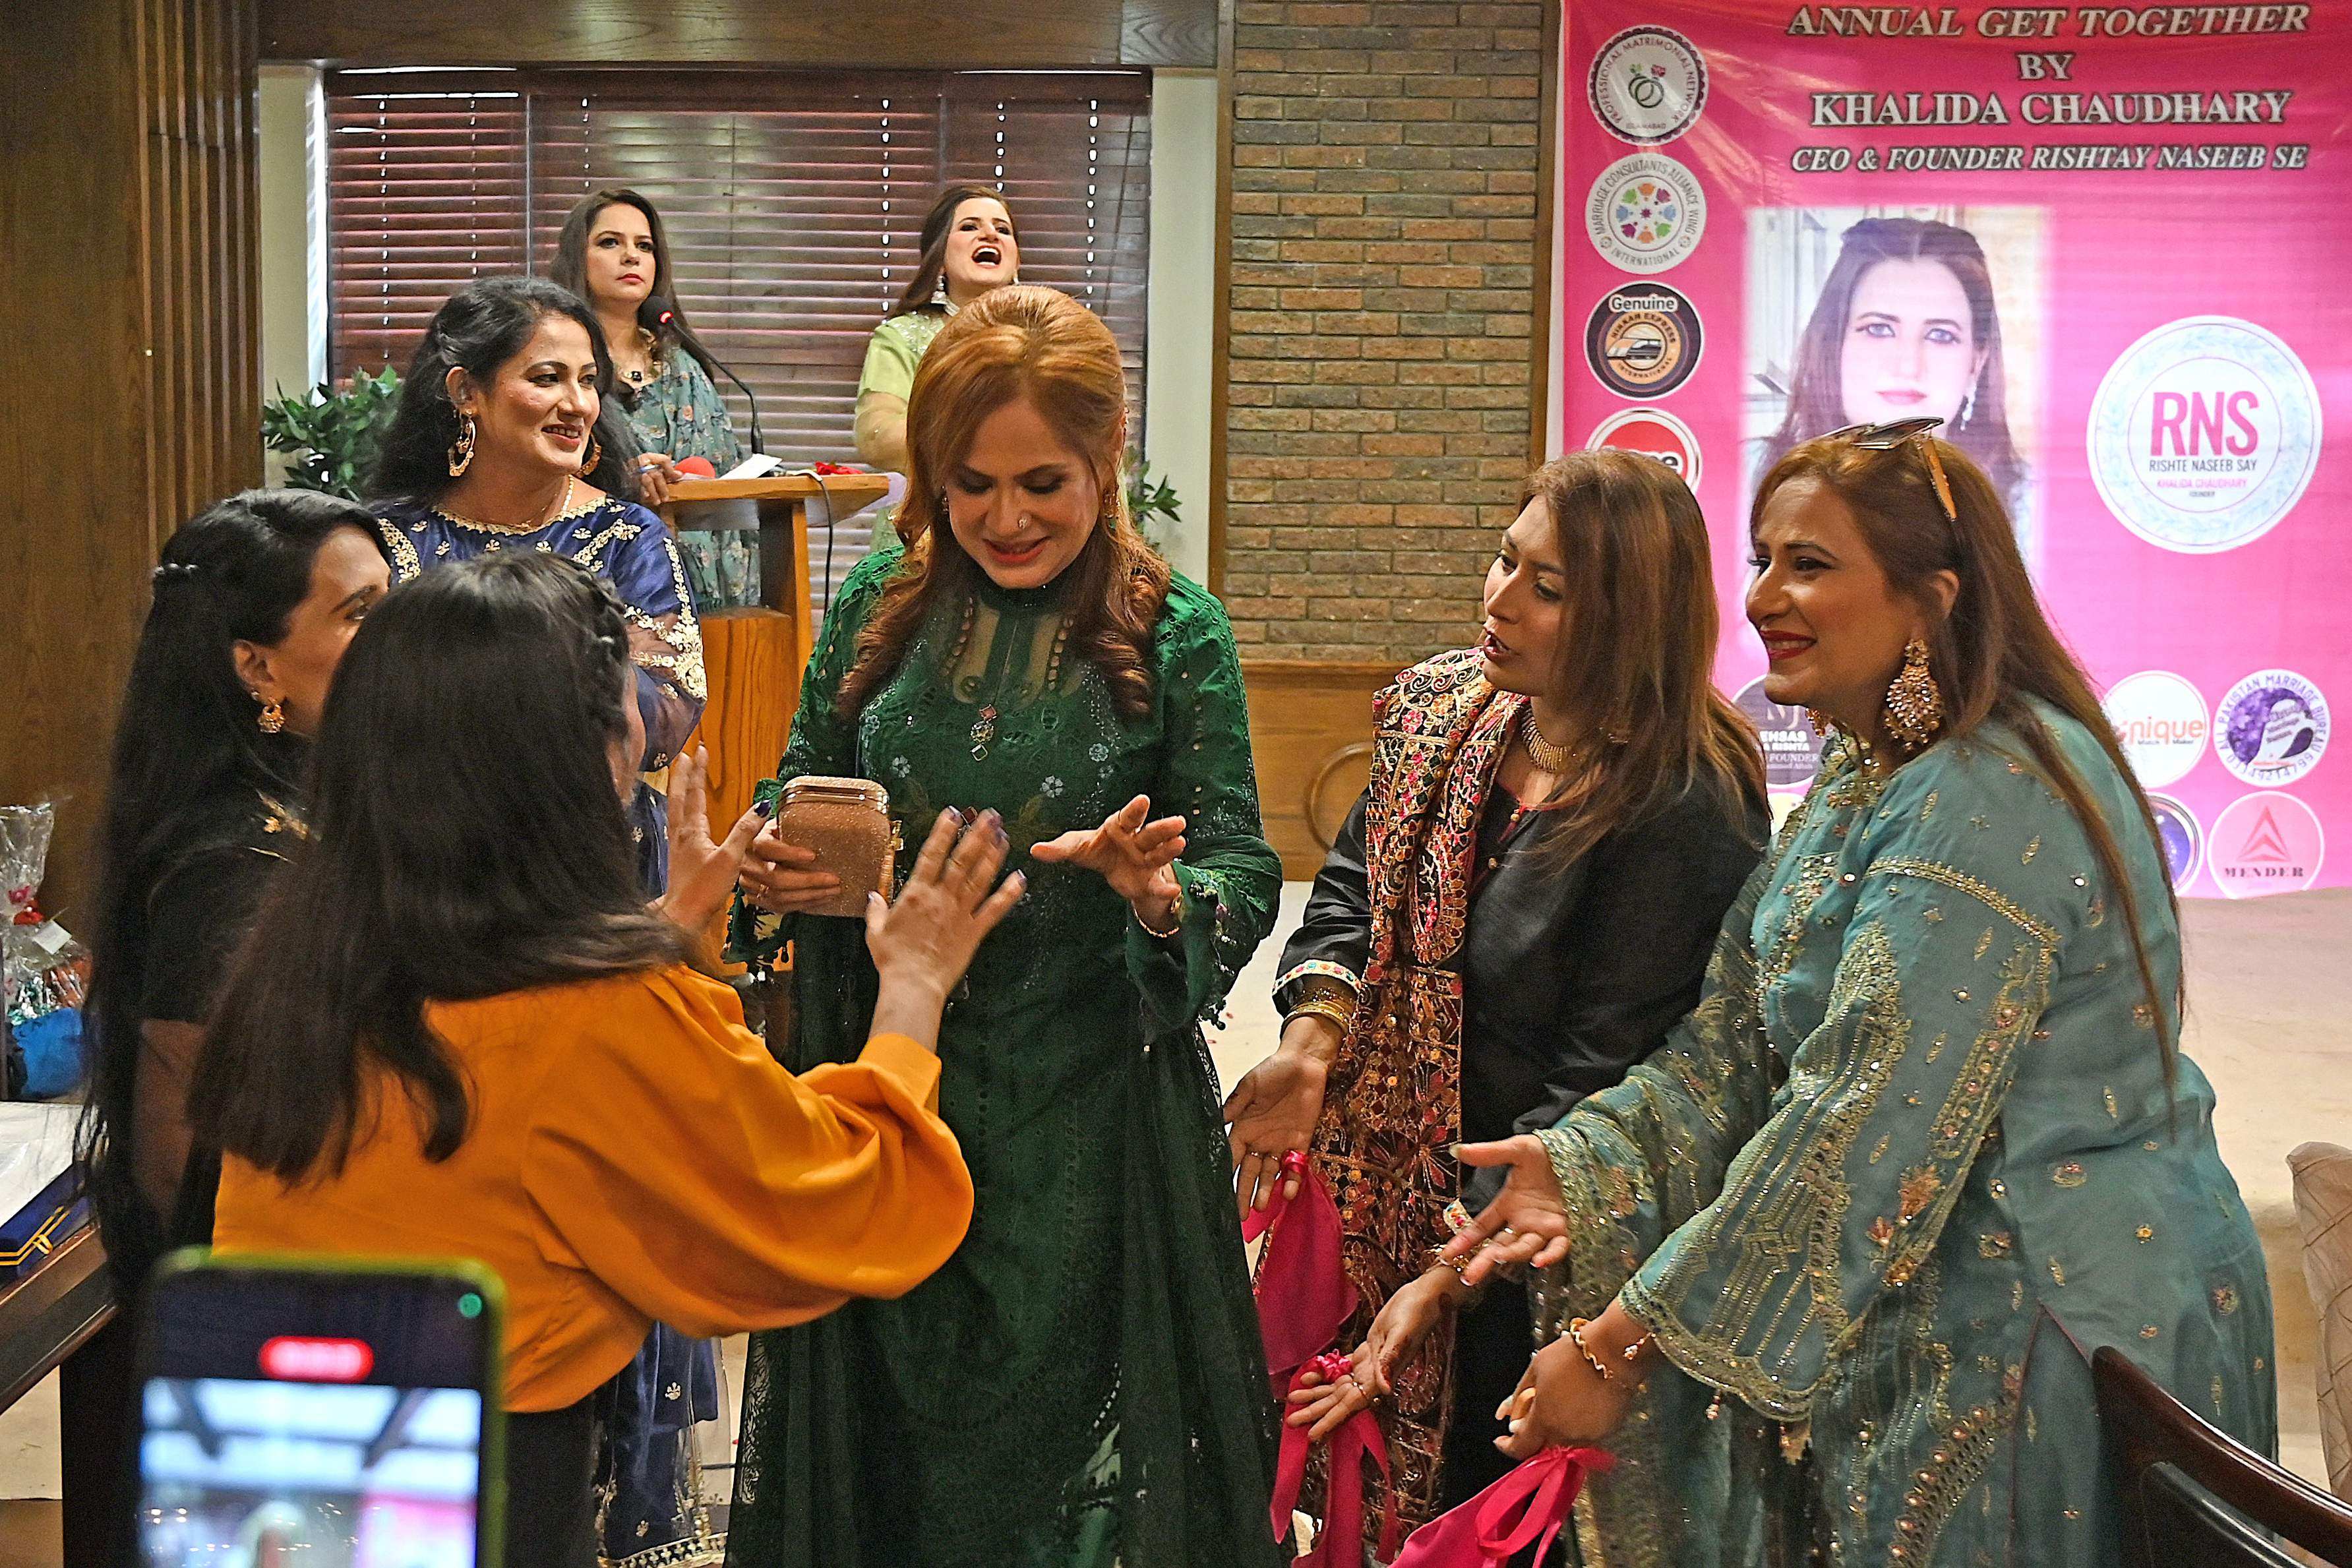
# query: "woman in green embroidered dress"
969,247
1083,1384
1847,1241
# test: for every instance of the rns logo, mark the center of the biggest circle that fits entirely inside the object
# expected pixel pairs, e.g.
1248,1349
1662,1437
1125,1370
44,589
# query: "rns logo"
2190,424
2204,434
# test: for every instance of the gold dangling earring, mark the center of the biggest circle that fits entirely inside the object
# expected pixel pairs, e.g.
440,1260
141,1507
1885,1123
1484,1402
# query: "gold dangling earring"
1915,705
273,714
461,451
595,455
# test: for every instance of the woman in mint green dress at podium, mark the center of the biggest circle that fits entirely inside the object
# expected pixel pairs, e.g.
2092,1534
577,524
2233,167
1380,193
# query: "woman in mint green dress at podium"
969,247
1083,1384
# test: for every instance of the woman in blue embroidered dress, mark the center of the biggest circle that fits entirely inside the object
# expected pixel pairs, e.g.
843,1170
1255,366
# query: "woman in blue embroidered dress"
1927,1141
504,440
613,253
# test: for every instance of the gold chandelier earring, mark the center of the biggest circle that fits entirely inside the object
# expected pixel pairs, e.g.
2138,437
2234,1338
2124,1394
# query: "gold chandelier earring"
1915,704
272,719
461,450
596,455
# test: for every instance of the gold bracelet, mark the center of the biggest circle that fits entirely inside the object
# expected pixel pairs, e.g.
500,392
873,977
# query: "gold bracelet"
1575,1327
1176,908
1341,1013
1437,1256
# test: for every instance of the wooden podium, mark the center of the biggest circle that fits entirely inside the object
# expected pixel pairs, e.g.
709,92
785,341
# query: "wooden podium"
755,654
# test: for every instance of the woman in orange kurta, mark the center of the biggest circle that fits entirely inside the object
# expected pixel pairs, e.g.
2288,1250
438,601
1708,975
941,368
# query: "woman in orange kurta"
457,1032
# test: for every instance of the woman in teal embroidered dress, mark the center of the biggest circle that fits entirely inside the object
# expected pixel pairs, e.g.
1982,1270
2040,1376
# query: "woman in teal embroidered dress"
614,253
1848,1240
1083,1384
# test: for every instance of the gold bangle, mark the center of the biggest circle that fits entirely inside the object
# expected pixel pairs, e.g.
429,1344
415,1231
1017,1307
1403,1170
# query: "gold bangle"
1331,1007
1437,1256
1175,909
1575,1327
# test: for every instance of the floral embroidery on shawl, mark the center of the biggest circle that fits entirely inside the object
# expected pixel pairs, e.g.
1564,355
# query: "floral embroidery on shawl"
1393,1111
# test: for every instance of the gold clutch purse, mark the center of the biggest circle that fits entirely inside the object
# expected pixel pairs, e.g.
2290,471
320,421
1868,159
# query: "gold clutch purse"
847,822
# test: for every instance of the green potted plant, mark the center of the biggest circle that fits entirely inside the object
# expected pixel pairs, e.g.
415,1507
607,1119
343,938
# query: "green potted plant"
1148,500
332,433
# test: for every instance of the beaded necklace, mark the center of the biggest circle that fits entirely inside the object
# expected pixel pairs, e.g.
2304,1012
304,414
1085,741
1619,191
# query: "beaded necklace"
984,727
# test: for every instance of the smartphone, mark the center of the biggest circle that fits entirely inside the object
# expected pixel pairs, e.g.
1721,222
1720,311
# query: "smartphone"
321,1412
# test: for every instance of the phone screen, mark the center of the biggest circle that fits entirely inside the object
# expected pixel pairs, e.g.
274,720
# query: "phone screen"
299,1414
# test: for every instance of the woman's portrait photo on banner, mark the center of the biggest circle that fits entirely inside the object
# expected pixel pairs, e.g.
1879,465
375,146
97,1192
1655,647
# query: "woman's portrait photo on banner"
1870,315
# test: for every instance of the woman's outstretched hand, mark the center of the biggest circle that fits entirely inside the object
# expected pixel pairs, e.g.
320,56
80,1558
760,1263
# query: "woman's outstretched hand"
1526,1223
700,873
1131,853
1403,1323
923,942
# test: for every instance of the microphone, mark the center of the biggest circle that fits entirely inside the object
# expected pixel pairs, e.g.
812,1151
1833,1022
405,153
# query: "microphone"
665,317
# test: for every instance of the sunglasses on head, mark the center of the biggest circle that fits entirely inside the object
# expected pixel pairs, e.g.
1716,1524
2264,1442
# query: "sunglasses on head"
1886,437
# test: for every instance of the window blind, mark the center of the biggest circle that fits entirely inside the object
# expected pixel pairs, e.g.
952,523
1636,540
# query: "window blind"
794,204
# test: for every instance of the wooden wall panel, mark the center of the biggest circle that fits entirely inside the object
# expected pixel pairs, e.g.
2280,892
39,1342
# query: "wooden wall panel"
916,33
1310,735
128,192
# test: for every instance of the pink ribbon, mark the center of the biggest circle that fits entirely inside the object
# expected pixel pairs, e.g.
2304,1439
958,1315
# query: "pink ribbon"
1527,1507
1340,1543
1304,1298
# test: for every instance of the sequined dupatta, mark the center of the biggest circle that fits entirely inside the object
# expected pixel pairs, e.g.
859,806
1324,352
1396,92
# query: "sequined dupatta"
1392,1112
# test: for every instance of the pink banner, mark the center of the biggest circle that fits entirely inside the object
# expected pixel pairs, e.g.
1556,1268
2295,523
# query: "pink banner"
2110,245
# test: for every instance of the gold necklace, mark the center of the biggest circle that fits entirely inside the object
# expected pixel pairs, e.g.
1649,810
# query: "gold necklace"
1551,759
563,508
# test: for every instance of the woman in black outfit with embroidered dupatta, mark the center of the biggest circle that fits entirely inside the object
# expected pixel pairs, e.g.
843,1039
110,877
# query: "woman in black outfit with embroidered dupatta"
1513,913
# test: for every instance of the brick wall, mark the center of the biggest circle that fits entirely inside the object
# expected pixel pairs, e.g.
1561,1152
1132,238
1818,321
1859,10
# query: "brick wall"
1383,276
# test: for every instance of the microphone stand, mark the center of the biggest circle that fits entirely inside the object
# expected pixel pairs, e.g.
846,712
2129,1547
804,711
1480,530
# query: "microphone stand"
668,317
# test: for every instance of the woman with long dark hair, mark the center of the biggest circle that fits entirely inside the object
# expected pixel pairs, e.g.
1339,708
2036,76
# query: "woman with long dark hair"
614,252
457,1031
969,247
1083,1382
1826,1271
1558,818
1906,326
506,440
254,601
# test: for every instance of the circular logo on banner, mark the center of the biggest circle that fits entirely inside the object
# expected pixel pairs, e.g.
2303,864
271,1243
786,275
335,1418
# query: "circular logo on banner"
1648,86
1643,339
2184,842
2161,721
2271,728
2266,843
2204,434
1653,433
1645,213
1792,752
